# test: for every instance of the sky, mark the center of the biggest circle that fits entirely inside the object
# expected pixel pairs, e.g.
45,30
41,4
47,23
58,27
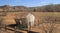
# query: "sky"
28,3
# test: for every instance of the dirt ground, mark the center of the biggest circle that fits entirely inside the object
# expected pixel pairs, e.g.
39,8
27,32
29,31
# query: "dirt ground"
9,19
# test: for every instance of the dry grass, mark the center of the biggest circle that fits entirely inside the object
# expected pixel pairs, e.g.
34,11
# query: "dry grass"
10,15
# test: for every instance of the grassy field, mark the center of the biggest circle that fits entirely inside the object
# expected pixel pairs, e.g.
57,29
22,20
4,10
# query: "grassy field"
44,21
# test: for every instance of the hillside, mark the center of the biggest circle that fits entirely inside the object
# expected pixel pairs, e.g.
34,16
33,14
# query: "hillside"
46,8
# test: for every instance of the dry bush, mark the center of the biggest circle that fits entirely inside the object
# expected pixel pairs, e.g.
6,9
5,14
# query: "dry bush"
48,24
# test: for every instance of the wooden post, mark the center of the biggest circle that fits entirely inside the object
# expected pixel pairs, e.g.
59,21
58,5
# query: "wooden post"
38,22
5,27
15,29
